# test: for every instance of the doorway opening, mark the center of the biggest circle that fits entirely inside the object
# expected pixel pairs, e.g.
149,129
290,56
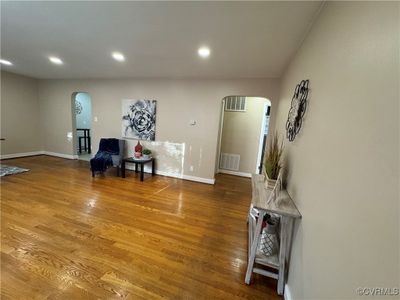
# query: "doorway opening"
82,125
243,135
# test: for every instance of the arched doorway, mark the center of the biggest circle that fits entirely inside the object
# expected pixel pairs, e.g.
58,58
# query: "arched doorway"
82,125
243,134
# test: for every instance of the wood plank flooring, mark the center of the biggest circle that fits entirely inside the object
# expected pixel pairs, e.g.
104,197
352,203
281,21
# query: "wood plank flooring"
66,235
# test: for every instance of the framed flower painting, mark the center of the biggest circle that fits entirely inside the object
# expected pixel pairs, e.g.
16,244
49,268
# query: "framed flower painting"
139,119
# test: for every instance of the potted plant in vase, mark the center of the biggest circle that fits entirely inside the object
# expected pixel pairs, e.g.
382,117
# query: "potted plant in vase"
273,165
146,154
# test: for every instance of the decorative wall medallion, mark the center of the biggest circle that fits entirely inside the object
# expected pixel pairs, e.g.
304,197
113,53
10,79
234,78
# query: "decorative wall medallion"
297,110
78,108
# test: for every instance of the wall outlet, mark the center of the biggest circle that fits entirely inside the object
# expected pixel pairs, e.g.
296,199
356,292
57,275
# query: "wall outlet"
191,168
95,119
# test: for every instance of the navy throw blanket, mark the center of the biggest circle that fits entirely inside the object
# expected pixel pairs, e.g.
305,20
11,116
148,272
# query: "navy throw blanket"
109,145
102,160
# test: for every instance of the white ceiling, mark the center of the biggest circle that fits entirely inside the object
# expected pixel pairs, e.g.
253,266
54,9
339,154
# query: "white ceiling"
158,39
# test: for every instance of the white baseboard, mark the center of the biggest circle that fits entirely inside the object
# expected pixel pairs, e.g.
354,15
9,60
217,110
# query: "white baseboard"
175,175
129,167
287,295
62,155
199,179
16,155
242,174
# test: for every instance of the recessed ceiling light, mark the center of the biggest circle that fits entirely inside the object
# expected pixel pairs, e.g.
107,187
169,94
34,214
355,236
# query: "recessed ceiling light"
204,52
118,56
5,62
55,60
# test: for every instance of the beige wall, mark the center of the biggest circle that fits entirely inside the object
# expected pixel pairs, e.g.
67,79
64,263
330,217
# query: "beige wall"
343,167
241,133
19,114
178,145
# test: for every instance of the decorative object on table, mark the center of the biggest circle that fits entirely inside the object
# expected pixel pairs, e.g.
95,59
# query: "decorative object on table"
139,119
297,110
138,150
111,153
272,162
11,170
146,154
269,241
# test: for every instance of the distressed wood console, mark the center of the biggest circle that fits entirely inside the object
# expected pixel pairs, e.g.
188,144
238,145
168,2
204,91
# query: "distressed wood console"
284,207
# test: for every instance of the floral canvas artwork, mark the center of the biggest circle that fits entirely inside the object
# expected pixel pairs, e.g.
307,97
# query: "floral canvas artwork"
139,119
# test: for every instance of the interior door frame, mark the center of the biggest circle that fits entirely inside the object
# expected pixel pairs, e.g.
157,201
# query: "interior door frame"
267,105
260,143
221,126
74,133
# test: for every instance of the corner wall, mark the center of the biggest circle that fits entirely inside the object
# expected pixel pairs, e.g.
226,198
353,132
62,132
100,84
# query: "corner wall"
20,124
343,167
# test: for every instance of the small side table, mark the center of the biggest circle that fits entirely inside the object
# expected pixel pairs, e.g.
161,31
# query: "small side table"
138,161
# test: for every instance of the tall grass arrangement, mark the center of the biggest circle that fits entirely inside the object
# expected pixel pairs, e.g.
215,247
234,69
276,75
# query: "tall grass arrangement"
273,159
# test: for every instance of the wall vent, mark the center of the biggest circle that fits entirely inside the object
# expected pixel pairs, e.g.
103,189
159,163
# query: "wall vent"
235,103
229,161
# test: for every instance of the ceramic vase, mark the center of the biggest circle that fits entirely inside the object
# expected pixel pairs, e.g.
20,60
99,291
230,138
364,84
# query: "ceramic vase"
269,242
138,147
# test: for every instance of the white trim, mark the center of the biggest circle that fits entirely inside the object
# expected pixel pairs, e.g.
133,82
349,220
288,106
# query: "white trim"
175,175
62,155
260,143
146,169
16,155
199,179
287,295
34,153
167,174
242,174
221,126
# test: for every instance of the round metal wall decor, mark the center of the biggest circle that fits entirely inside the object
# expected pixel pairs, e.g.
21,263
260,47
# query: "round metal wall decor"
297,110
78,107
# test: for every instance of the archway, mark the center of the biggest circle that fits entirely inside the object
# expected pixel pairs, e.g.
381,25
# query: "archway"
243,134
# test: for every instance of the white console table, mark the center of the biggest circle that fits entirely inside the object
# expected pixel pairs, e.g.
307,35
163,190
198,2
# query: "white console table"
284,207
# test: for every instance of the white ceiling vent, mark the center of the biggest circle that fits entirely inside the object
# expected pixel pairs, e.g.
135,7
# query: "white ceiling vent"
235,103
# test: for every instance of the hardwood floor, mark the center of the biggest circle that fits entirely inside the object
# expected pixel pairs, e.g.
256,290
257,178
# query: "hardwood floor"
66,235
